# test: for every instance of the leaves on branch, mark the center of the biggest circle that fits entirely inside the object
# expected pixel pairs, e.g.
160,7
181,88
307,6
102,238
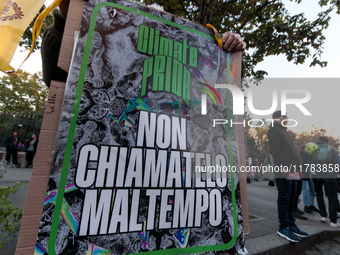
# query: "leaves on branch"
22,93
10,216
266,26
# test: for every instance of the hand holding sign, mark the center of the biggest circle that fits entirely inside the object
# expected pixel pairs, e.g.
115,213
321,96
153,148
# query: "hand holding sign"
63,8
233,42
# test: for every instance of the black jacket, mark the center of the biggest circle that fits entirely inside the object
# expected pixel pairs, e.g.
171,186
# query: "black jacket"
282,147
9,142
50,49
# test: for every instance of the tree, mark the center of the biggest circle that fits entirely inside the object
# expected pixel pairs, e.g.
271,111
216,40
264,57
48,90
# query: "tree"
24,92
313,136
265,25
257,141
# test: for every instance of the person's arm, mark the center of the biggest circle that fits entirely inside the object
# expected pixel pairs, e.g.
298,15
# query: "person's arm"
7,141
271,159
274,144
50,49
306,159
63,8
20,141
335,156
35,145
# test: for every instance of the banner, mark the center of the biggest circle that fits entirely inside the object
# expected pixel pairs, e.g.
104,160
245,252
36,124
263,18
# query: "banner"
139,164
15,17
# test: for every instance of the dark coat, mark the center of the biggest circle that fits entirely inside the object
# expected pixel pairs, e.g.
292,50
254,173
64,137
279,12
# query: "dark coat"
9,142
282,148
335,161
50,49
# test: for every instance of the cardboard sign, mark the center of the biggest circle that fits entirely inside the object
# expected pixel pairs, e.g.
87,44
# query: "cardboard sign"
138,166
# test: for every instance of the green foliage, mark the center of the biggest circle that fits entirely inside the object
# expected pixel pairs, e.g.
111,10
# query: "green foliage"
26,39
10,216
266,26
22,93
257,142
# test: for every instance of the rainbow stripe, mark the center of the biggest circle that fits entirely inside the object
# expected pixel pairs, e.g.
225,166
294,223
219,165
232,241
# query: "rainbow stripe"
92,249
66,211
70,217
182,236
145,236
39,250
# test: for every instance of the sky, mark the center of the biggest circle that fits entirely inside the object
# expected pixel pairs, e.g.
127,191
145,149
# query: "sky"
321,105
323,101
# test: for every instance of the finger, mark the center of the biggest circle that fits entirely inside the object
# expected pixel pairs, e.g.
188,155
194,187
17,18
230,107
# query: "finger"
225,37
228,40
244,45
241,46
231,43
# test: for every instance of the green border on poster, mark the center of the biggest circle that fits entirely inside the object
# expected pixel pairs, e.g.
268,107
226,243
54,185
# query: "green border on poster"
72,128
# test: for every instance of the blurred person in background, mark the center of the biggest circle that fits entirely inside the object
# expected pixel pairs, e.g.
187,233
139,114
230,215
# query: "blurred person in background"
286,156
31,148
324,154
12,143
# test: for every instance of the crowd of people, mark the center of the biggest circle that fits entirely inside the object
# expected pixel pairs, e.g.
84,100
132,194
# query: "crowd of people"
13,144
317,178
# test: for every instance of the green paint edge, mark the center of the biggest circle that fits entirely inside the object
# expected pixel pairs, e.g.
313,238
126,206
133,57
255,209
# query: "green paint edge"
72,128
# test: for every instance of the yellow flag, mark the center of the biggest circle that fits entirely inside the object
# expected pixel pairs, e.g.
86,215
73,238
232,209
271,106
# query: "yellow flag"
15,17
